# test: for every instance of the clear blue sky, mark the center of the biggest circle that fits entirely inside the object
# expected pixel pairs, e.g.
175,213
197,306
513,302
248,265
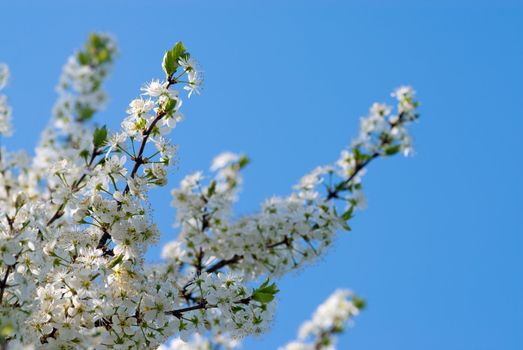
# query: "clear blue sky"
439,252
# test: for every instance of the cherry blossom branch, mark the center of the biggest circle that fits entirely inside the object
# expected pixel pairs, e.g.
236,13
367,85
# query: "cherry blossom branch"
222,263
47,274
138,159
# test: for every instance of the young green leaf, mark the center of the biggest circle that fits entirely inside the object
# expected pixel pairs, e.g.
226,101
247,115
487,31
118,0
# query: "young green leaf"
265,293
243,162
359,303
347,215
171,58
392,150
179,51
99,137
169,65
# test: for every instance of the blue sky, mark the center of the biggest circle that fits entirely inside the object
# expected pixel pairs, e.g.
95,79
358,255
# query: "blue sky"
439,252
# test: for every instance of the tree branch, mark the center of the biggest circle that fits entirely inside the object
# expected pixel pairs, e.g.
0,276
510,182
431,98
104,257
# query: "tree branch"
3,284
138,159
222,263
179,312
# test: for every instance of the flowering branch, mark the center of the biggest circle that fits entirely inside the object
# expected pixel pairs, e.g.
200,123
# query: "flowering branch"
75,223
328,321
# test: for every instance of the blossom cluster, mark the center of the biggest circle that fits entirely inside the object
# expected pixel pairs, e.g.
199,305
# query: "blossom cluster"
328,320
288,231
75,221
5,109
197,342
80,96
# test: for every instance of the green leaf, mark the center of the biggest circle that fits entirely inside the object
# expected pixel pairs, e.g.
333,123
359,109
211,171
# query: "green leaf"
211,189
84,154
265,293
169,105
243,162
20,200
83,58
360,303
97,51
115,261
262,297
171,58
179,51
103,56
358,155
85,113
265,283
99,137
169,65
95,41
392,150
347,215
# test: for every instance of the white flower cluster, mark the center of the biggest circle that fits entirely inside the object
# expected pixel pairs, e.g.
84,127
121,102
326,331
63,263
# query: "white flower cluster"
194,75
82,76
288,231
75,227
75,223
5,109
80,97
328,321
382,131
197,342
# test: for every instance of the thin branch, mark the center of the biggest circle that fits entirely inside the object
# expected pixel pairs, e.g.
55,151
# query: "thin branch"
222,263
286,241
342,186
179,312
138,159
3,284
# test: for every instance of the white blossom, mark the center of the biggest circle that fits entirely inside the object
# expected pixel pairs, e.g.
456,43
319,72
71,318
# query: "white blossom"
224,159
155,88
4,75
194,75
